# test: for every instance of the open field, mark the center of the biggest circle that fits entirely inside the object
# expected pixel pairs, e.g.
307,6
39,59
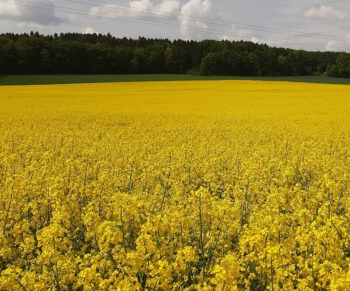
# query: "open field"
226,185
73,79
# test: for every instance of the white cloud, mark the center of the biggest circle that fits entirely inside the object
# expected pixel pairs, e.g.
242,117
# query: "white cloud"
168,8
144,9
236,33
89,30
140,6
256,40
9,8
339,44
188,16
331,45
41,12
192,16
336,46
325,12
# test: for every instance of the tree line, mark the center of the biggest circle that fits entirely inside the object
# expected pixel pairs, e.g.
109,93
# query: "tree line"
75,53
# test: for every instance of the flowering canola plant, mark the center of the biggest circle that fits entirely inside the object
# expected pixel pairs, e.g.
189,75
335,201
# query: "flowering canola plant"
209,185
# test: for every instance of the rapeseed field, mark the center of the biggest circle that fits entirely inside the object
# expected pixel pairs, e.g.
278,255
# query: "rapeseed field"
195,185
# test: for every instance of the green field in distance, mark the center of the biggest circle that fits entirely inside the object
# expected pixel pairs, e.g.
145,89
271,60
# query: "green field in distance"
68,79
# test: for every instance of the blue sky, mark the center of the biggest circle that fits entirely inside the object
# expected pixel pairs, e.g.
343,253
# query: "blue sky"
308,24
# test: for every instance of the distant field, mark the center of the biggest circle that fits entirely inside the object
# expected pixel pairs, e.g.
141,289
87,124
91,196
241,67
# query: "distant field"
68,79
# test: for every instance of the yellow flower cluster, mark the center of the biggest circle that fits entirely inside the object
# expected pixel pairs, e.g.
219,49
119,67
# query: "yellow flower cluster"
218,185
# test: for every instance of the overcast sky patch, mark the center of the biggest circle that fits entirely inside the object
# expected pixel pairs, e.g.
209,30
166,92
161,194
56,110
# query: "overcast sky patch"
41,12
309,24
325,12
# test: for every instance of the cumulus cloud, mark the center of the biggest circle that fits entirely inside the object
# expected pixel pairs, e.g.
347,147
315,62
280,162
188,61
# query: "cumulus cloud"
256,40
139,9
337,45
168,7
236,33
41,12
28,12
331,45
192,16
189,16
9,8
89,30
325,12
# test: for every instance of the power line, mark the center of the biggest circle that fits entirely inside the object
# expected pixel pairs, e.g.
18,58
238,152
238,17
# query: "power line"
171,25
216,22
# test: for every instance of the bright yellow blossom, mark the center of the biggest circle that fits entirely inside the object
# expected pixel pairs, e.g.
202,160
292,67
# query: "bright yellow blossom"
218,185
